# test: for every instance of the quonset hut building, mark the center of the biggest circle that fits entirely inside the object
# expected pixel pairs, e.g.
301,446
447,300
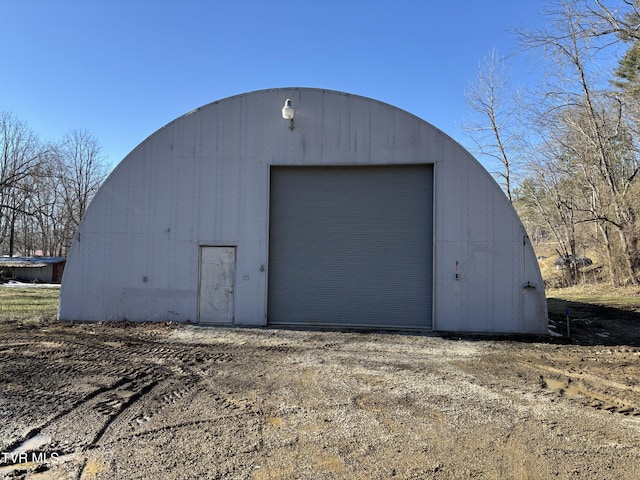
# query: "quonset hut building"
353,213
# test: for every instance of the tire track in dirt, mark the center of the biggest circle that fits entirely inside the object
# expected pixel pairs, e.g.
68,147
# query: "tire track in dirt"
597,392
95,400
129,393
598,379
131,372
114,408
155,406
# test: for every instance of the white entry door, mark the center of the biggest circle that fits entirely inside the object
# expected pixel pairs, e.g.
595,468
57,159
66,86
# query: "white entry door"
217,276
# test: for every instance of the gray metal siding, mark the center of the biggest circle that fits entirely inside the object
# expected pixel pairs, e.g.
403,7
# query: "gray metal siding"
203,180
351,246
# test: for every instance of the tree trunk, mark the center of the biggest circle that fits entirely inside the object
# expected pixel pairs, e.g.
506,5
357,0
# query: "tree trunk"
628,258
610,260
12,233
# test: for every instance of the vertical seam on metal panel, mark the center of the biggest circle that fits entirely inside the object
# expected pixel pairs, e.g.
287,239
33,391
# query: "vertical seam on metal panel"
267,247
198,296
434,246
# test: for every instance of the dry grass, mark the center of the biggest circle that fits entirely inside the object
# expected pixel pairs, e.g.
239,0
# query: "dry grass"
554,278
625,298
592,290
588,290
29,304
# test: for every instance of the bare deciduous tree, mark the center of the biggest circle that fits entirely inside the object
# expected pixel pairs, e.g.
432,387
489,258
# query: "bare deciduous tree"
586,125
82,170
44,189
19,158
496,131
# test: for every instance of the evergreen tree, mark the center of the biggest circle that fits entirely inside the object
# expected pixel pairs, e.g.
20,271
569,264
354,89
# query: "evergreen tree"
628,72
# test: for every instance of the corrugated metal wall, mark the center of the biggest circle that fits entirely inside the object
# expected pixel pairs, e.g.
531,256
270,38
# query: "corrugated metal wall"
351,246
34,274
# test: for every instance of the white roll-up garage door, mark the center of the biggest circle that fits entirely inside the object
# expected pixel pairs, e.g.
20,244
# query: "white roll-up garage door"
351,246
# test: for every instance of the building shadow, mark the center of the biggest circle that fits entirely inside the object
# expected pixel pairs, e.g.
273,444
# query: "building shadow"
590,324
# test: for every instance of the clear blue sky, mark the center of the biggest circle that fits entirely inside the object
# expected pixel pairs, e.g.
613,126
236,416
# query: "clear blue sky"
124,68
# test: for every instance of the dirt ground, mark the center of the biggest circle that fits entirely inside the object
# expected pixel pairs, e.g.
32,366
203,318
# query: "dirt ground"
158,401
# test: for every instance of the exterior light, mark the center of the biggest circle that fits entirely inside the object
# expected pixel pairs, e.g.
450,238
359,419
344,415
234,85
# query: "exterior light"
287,112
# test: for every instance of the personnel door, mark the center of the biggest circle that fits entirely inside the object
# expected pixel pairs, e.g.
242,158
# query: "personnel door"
217,279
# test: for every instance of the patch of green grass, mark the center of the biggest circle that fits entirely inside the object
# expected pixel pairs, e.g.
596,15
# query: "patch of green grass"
29,304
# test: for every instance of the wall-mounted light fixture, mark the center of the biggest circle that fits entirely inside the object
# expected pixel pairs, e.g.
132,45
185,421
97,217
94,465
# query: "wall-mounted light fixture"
287,112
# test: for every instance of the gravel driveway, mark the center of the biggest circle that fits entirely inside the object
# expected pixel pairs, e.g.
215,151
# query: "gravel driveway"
157,401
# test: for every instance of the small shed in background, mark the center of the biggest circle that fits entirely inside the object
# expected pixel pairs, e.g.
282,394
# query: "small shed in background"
32,269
